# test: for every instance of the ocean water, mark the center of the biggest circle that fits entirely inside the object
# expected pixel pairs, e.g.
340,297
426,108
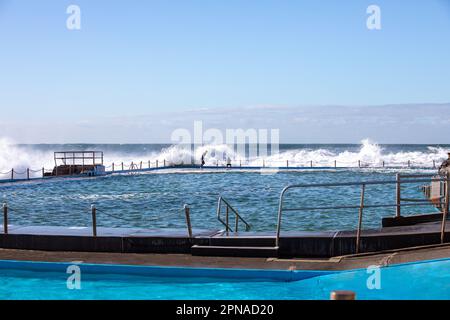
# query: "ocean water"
144,200
21,157
424,280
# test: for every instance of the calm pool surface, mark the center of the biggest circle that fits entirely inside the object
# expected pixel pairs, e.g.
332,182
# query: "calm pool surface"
428,280
138,200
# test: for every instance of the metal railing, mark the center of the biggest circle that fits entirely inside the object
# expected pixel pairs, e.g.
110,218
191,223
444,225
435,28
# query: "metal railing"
226,223
401,179
30,174
94,216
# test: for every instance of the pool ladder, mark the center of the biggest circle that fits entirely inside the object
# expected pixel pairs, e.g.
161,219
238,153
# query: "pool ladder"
230,242
226,223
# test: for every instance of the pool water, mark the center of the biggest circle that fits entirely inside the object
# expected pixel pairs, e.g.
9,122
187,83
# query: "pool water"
424,280
143,200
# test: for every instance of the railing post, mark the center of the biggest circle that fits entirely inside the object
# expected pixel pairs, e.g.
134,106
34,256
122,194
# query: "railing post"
94,220
434,164
157,163
164,163
311,164
409,163
236,226
335,163
240,163
140,165
342,295
188,220
28,173
227,220
383,163
5,218
12,174
122,166
359,163
361,206
446,207
264,164
398,196
113,167
287,163
149,164
43,172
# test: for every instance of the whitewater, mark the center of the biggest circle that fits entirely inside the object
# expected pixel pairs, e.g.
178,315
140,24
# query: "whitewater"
366,154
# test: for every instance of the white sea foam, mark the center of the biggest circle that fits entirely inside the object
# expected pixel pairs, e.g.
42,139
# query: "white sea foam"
369,154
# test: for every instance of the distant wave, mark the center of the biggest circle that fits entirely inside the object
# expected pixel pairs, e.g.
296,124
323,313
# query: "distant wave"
368,153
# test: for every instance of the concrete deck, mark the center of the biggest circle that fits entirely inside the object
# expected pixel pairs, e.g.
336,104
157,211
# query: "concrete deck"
292,244
186,260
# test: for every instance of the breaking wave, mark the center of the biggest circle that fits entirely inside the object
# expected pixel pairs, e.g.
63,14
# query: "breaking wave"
366,154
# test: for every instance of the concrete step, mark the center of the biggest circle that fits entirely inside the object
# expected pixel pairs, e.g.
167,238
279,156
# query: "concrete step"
229,251
242,241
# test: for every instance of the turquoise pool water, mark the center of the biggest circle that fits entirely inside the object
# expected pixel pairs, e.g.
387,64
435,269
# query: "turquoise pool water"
26,280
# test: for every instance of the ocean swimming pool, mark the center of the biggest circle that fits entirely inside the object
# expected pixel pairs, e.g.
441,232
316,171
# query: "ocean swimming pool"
25,280
130,200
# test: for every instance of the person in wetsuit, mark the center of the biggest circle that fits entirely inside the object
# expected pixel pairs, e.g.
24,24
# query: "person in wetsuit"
228,162
203,159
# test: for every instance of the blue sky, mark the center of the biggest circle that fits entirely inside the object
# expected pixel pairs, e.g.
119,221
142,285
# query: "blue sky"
142,58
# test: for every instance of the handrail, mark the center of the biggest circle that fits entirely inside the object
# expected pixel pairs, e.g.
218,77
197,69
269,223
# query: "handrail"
363,185
226,222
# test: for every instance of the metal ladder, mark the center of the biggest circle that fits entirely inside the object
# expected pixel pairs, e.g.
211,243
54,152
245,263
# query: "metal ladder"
232,244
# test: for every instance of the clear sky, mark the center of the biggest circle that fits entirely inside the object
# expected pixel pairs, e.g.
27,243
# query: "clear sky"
134,58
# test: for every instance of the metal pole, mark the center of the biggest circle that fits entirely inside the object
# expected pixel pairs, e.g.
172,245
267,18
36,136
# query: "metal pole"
358,233
43,172
188,220
122,166
113,167
237,224
140,165
311,164
335,163
398,194
359,163
149,164
164,162
287,163
227,220
94,220
28,173
157,163
446,207
5,218
342,295
12,174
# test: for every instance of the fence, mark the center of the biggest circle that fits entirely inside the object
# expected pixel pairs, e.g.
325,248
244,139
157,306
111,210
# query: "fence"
29,174
94,215
443,200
